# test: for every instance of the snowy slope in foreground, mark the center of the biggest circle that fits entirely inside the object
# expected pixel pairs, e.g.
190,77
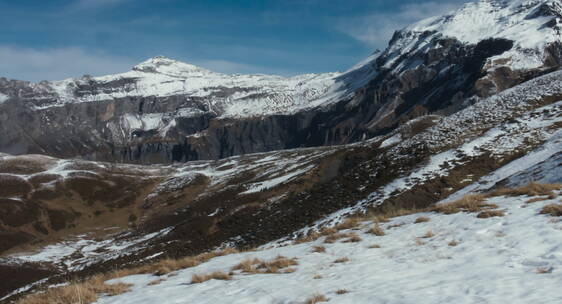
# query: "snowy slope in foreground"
497,260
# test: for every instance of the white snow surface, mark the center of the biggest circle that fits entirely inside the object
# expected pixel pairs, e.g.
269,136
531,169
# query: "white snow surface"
496,261
3,98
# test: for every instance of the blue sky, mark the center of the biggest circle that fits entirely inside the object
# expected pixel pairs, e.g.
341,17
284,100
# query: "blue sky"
56,39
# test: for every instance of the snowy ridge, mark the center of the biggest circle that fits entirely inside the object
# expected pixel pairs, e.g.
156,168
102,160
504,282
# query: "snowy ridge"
531,24
233,95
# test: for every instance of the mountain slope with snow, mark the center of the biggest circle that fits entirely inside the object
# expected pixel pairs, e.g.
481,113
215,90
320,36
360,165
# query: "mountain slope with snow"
249,200
164,110
421,258
440,114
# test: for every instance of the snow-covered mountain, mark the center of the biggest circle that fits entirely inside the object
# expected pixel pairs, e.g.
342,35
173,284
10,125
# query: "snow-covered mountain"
142,213
226,95
462,104
164,110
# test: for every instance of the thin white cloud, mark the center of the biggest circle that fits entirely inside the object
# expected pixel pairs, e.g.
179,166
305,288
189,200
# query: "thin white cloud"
376,29
229,67
56,64
61,63
92,4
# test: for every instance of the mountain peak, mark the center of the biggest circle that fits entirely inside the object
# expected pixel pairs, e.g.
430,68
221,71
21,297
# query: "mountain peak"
530,24
165,65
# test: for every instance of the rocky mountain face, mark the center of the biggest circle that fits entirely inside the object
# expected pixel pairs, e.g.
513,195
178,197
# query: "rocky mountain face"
164,110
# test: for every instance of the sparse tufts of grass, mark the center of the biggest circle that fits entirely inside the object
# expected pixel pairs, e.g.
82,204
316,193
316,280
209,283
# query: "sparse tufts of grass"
375,246
422,219
396,225
544,270
332,238
491,213
257,266
469,203
166,266
77,292
350,223
353,239
216,275
156,282
317,277
376,230
88,290
453,243
247,265
316,298
342,260
429,234
319,249
341,291
536,199
552,209
532,189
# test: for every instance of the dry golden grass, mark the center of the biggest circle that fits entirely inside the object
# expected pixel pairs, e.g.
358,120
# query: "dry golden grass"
453,243
319,249
156,282
313,236
350,223
78,292
317,276
332,238
316,298
380,218
248,265
376,230
544,270
341,291
217,275
166,266
280,264
552,209
536,199
392,212
342,260
429,234
374,246
490,213
396,225
353,239
469,203
88,290
532,189
422,219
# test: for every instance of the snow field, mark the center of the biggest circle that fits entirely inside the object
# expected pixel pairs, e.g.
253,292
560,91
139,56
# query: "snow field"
496,260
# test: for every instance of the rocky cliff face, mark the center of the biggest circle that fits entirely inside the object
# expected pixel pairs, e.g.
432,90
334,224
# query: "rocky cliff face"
164,110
